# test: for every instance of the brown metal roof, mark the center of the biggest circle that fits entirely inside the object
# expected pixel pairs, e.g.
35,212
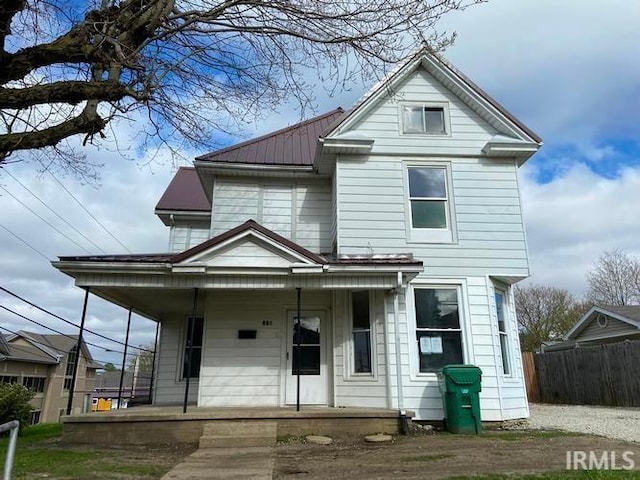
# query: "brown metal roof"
291,146
184,193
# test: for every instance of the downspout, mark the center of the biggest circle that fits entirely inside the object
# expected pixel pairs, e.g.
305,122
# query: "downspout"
387,355
404,428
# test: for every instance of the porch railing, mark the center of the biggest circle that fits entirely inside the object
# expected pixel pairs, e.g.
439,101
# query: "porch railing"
13,425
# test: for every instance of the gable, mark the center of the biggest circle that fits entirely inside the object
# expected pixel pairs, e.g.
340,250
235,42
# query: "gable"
247,245
479,125
466,130
601,323
247,252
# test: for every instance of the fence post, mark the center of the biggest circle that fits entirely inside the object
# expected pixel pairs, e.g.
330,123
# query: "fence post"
13,425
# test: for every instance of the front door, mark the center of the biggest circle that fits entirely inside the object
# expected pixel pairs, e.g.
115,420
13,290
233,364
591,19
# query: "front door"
311,334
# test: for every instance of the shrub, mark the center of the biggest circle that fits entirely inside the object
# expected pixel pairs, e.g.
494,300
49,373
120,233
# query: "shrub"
14,403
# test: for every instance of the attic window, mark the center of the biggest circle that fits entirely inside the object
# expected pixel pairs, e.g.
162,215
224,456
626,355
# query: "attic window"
423,119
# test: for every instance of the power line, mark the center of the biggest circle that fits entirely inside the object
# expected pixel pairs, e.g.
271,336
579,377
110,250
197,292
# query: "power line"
56,331
26,243
68,321
44,220
88,212
56,213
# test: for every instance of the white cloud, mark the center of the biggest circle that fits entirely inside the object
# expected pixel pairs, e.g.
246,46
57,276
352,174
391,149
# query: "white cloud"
574,218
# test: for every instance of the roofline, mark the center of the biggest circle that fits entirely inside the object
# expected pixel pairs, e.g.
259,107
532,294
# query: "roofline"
248,225
581,324
422,54
202,158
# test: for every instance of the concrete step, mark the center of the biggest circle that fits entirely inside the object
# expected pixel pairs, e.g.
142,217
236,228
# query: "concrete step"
229,434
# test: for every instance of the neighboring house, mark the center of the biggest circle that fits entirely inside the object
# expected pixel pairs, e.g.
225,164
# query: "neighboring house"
44,363
399,225
600,325
135,388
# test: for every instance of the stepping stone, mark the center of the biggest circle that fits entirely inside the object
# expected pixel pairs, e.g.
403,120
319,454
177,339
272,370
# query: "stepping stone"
378,437
319,439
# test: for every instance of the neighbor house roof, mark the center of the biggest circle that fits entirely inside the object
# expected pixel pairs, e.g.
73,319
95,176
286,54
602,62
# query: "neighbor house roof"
44,348
184,193
291,146
629,314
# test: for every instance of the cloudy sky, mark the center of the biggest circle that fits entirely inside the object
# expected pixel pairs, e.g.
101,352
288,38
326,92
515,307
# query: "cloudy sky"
568,69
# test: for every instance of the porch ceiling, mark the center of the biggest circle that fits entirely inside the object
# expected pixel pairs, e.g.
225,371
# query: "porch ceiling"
153,303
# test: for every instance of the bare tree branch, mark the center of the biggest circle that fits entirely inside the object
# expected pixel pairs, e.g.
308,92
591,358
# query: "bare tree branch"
197,67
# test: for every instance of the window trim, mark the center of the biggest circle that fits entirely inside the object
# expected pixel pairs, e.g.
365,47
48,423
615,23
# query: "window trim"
349,373
183,349
446,120
500,334
430,235
465,333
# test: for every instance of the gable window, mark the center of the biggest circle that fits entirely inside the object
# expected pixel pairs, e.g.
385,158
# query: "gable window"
423,119
502,331
428,197
361,331
438,332
196,355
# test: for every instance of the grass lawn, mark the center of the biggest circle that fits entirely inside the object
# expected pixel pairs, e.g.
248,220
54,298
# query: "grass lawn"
39,454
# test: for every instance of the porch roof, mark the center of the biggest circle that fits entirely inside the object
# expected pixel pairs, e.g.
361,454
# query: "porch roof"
155,284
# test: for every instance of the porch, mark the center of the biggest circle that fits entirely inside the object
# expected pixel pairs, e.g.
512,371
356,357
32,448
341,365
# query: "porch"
167,424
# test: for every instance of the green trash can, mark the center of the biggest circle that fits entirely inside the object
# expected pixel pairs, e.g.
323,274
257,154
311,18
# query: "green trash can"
459,386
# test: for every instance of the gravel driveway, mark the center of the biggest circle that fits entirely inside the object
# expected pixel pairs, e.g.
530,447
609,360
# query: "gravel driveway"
618,423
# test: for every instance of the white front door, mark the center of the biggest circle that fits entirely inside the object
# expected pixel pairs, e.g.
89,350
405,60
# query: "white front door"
312,357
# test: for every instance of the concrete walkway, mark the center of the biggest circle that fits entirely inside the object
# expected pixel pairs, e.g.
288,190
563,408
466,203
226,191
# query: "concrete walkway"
255,463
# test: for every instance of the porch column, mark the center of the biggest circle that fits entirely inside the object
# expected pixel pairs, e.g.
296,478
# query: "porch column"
396,326
124,359
298,357
78,350
190,350
153,364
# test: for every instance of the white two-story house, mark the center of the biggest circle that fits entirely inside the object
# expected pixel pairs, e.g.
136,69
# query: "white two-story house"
388,236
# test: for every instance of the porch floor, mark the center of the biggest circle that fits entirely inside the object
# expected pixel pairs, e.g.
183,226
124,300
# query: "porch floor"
167,424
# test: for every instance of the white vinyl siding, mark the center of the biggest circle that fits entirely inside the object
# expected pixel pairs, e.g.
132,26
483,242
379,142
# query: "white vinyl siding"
169,390
248,372
501,398
468,131
298,211
184,236
359,390
488,218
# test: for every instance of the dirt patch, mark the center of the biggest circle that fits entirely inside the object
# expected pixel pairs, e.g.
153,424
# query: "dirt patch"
441,455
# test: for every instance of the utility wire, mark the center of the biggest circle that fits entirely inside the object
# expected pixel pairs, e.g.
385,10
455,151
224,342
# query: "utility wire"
55,213
69,322
26,243
44,220
88,212
25,349
56,331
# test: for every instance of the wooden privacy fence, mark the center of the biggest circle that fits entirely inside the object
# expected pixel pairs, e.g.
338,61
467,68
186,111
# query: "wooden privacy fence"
591,375
531,381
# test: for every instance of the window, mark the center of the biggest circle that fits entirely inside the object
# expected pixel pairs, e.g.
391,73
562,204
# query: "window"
361,330
34,418
8,379
68,372
438,332
502,331
35,384
428,197
420,119
196,355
